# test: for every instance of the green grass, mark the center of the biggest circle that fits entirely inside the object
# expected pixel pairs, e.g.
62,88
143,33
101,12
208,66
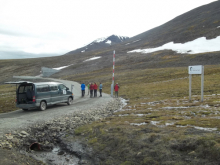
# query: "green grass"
7,98
161,88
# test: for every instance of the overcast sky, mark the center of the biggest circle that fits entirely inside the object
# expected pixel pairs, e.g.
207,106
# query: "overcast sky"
35,28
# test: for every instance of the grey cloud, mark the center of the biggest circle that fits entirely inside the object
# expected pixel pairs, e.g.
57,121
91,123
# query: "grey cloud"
22,55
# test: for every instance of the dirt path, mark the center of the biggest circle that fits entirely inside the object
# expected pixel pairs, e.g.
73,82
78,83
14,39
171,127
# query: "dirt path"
22,119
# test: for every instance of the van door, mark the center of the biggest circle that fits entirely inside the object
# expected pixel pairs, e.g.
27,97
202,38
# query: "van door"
54,92
63,92
43,93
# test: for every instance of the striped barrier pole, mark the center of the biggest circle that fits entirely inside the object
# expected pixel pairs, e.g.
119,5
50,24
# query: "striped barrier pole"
113,74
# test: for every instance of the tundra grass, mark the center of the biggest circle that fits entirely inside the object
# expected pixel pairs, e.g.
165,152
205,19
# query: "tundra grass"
159,125
7,98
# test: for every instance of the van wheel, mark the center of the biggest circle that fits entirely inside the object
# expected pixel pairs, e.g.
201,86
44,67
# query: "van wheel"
70,100
43,105
25,109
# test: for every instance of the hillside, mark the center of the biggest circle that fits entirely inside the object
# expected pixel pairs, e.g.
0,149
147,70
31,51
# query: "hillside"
199,22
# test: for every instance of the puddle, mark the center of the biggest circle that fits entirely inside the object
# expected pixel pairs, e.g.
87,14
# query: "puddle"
124,103
56,157
140,115
205,106
123,115
154,122
138,124
200,128
175,107
167,124
205,129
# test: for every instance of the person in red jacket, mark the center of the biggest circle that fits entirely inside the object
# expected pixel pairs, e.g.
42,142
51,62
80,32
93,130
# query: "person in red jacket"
95,86
116,89
91,90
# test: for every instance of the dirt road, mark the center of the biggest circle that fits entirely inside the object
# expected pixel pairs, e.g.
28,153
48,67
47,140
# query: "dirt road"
22,119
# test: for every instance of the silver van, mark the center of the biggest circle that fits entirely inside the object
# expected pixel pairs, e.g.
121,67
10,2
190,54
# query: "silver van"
40,95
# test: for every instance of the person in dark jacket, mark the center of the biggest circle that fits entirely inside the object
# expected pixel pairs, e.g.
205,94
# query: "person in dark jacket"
116,89
83,86
95,87
100,89
91,90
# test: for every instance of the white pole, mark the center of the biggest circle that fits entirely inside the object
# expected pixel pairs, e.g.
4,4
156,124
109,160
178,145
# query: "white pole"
113,74
190,80
202,83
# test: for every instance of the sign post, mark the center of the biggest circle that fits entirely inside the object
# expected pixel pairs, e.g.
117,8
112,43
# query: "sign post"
197,69
113,75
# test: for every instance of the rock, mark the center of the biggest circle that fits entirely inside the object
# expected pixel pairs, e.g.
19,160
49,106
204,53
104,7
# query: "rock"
139,153
24,133
15,141
60,153
83,162
192,153
9,137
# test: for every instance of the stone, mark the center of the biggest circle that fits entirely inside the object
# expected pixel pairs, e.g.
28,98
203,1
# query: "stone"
83,162
9,137
24,133
15,141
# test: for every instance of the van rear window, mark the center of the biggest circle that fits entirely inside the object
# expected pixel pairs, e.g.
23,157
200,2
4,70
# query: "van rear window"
23,89
43,88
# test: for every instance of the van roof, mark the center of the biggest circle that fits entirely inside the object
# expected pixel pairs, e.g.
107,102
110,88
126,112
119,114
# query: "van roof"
28,82
49,83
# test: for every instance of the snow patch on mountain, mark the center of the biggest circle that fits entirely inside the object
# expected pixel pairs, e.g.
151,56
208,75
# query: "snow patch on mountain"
108,42
93,58
100,39
199,45
62,67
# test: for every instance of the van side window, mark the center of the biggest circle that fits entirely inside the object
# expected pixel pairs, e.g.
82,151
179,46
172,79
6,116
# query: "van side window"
43,88
62,87
54,88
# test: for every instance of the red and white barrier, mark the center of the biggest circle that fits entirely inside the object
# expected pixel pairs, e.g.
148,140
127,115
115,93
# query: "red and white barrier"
113,74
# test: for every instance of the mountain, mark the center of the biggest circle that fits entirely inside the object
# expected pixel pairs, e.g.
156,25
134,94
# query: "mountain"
100,43
200,22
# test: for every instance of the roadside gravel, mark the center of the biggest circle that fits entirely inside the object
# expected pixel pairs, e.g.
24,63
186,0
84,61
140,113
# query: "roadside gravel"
19,129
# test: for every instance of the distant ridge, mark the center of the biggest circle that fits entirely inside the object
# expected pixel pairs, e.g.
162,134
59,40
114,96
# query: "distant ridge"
100,43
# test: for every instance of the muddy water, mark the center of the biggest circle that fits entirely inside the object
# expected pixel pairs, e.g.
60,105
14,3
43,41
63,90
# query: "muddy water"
67,153
56,157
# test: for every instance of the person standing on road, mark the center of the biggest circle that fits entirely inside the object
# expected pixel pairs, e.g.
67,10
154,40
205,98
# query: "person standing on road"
95,89
100,89
83,86
88,87
116,89
91,90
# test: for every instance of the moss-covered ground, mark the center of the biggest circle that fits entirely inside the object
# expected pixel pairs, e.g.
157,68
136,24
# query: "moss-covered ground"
159,125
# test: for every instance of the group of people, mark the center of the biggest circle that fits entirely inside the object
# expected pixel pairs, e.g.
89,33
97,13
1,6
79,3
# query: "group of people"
93,87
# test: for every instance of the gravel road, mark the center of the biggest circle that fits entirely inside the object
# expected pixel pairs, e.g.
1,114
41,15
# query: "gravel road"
20,119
